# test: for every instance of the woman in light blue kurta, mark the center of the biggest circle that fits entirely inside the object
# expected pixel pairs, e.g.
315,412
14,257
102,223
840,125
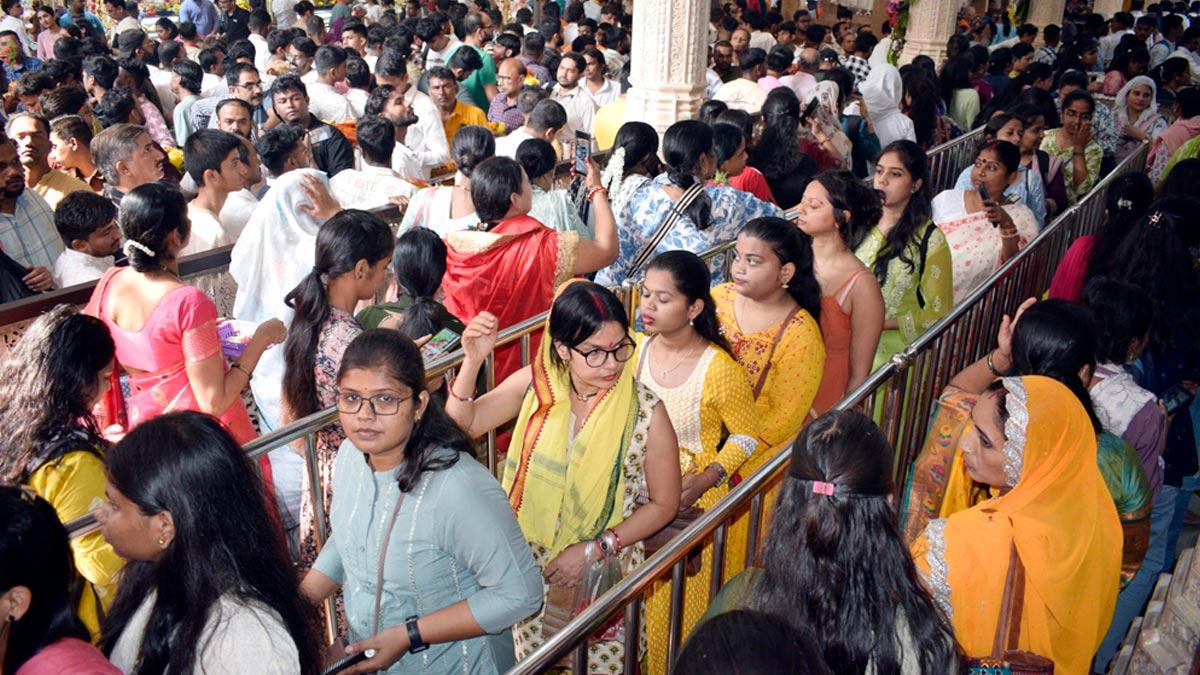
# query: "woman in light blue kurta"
456,562
716,217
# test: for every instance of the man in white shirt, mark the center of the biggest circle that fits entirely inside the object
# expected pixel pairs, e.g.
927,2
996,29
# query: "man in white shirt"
215,160
438,44
1187,48
602,90
578,103
744,92
1120,25
324,101
300,55
545,121
87,223
1172,29
375,184
390,103
259,25
124,19
759,37
358,76
13,21
241,203
426,137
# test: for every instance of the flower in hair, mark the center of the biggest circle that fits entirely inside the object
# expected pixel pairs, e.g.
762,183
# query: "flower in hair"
614,172
132,245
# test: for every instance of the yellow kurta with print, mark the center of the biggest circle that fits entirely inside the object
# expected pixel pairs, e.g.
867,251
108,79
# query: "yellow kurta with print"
714,403
784,400
74,485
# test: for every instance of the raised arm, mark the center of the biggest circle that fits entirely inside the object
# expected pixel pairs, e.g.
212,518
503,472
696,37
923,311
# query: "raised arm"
601,251
975,378
479,416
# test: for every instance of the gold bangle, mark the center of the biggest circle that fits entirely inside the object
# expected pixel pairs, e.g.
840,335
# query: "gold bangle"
237,365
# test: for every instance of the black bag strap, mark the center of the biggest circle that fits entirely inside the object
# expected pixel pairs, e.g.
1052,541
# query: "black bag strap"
689,196
923,253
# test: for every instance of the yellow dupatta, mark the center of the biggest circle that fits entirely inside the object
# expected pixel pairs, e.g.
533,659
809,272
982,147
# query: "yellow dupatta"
1062,519
566,494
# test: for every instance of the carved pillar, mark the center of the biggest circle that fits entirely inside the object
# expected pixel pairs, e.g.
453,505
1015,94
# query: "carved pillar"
930,25
1045,12
668,55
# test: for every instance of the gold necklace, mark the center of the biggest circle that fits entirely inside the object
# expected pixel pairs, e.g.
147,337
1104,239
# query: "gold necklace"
663,372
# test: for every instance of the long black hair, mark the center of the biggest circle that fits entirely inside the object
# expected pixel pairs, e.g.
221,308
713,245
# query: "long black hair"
732,642
791,245
847,193
1127,198
1154,258
921,94
579,311
837,562
396,356
225,543
956,74
916,213
1055,338
36,553
640,142
48,381
420,263
684,145
345,239
149,213
691,278
1128,314
776,154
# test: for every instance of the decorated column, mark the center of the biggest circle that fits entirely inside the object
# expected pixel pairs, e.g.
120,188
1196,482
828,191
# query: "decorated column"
667,59
930,25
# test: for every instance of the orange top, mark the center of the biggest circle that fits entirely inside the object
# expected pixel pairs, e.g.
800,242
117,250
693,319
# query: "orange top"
835,333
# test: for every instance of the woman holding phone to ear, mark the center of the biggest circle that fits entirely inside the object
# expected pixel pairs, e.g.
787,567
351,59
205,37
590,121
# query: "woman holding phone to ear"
984,232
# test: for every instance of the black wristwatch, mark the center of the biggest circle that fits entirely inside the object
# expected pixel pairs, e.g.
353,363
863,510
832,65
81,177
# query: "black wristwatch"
415,643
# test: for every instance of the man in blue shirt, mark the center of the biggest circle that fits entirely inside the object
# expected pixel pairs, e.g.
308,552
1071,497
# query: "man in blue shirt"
77,15
202,14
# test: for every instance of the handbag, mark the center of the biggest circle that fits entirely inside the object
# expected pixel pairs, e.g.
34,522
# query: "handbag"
336,651
668,224
11,274
1006,658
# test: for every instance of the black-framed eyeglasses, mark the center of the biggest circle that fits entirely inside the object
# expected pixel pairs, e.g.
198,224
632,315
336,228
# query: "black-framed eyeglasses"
596,357
381,404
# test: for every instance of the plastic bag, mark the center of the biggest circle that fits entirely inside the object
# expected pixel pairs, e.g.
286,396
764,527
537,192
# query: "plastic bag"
600,576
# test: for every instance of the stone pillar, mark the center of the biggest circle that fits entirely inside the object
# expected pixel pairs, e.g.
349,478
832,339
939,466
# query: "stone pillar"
930,25
668,55
1106,8
1045,12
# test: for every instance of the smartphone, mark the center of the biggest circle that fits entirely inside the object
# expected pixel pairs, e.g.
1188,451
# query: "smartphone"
347,661
1177,398
583,151
442,342
983,192
808,111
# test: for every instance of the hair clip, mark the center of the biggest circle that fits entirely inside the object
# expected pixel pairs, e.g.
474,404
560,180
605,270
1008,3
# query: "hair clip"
1155,217
1124,203
131,245
823,488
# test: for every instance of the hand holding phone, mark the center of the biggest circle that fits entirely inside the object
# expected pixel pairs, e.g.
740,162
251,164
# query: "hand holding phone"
583,152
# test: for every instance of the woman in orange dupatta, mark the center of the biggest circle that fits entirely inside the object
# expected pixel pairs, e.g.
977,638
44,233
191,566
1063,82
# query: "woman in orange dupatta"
511,268
1032,439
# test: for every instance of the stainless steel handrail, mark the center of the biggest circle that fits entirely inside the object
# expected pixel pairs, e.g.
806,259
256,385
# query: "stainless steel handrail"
718,518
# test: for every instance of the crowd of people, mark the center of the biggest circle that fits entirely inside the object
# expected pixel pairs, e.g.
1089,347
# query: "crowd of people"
1066,456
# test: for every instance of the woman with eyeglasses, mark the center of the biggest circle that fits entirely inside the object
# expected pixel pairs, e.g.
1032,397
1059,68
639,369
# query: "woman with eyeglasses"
593,468
1072,143
413,508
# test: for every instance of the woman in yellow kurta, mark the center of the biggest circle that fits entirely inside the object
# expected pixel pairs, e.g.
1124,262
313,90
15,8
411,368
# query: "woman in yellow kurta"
686,362
770,314
1032,439
48,383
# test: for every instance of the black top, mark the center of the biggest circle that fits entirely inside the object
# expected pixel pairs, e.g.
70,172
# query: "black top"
331,151
236,26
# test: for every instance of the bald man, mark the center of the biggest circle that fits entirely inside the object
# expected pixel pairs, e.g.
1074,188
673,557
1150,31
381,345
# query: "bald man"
510,78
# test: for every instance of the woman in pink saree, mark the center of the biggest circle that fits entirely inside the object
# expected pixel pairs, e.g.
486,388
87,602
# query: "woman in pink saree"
166,331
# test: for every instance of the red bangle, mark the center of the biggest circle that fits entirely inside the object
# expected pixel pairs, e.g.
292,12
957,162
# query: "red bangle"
592,193
617,539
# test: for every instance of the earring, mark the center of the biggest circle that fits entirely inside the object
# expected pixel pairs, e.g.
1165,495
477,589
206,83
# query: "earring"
691,322
162,541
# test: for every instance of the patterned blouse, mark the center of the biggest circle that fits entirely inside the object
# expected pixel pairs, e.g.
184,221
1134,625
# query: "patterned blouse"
646,209
933,282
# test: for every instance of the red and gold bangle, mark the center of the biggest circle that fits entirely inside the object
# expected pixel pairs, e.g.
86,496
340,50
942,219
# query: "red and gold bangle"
594,191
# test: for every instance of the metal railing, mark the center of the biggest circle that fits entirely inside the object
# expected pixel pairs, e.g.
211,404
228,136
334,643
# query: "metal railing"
904,388
951,157
948,160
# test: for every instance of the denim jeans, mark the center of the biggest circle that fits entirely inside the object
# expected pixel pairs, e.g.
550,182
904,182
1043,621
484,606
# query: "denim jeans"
1132,599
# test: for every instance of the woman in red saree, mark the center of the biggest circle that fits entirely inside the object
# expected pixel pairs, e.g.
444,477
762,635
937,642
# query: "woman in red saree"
166,331
512,267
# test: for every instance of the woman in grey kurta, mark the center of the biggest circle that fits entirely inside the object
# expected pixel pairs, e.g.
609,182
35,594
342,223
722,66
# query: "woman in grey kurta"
455,552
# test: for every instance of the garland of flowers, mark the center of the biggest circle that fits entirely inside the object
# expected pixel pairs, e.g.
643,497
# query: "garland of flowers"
898,11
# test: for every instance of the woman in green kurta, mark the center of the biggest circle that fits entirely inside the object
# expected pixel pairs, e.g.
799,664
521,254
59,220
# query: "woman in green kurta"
457,572
907,253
